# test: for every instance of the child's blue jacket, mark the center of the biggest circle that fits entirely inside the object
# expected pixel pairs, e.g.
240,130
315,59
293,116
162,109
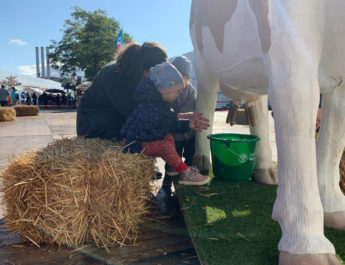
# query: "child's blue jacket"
151,120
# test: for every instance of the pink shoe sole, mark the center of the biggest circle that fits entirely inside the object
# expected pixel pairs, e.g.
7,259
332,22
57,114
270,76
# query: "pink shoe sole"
172,174
194,183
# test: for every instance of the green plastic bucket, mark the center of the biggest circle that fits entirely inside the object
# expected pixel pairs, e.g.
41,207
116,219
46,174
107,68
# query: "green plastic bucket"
233,156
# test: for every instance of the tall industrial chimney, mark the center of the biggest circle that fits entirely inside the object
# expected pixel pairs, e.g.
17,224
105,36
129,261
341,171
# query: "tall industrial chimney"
42,62
37,62
48,64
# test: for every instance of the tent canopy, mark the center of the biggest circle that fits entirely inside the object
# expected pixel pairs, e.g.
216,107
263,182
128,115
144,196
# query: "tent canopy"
31,81
83,86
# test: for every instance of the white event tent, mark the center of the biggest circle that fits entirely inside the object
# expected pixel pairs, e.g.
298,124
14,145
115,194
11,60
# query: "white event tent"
31,83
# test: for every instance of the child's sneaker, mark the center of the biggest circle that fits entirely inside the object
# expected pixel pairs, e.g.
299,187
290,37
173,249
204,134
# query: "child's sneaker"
191,176
157,175
170,171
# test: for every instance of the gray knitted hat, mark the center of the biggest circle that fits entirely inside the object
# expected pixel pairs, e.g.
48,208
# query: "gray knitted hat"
183,64
166,78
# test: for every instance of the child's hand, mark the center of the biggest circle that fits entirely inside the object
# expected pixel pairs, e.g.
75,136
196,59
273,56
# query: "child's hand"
185,115
199,123
192,115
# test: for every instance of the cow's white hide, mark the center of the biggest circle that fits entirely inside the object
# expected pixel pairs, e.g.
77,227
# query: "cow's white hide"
287,49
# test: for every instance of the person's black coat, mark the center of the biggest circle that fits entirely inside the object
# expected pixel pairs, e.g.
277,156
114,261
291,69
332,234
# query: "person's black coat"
105,105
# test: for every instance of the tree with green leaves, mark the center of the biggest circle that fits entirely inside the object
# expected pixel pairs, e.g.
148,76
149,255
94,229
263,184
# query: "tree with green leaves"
88,43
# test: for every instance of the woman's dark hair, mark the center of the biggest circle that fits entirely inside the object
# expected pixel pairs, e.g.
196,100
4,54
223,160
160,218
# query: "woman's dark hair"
134,59
152,53
128,62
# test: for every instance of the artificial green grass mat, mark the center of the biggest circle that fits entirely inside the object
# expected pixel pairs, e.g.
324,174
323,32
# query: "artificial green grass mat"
232,224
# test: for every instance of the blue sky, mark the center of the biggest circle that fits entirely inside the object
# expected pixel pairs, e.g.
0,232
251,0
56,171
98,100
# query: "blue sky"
29,23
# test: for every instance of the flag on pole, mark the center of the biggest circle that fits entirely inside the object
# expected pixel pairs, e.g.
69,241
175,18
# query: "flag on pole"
119,41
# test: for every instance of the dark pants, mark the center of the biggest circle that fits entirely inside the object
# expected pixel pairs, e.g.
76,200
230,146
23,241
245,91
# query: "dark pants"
3,103
186,149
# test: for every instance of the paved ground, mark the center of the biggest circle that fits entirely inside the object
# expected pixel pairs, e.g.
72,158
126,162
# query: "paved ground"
34,132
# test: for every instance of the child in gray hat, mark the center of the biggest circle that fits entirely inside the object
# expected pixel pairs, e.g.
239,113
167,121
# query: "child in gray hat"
185,106
149,128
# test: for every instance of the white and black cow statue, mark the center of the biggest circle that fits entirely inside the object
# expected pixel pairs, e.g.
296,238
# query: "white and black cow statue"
291,50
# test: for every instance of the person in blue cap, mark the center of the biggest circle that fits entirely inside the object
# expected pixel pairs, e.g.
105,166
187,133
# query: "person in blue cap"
185,106
148,129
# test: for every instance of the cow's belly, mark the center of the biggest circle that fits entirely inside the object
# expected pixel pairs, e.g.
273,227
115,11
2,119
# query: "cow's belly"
248,76
240,64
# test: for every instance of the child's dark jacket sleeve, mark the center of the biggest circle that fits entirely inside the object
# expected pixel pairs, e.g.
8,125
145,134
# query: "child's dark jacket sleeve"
178,126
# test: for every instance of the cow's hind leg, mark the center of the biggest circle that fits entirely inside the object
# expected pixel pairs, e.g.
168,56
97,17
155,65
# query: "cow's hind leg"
206,103
265,171
330,148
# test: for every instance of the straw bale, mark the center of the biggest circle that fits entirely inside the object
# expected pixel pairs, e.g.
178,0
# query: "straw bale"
26,110
76,191
7,114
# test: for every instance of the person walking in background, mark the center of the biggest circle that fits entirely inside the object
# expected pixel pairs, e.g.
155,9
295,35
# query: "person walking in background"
14,96
57,100
28,99
9,99
3,96
44,99
63,99
22,98
34,98
69,99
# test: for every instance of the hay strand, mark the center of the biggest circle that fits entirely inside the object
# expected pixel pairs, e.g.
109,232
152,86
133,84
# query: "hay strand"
76,191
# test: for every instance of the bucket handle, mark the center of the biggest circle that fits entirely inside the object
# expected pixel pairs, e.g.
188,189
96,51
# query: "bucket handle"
242,158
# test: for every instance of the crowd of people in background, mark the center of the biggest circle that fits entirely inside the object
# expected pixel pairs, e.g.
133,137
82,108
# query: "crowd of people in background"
13,97
55,99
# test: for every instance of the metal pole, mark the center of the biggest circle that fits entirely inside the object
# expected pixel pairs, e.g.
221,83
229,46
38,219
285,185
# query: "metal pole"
48,65
42,62
37,62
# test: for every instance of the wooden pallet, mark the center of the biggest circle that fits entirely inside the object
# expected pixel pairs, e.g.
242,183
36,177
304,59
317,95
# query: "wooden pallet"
163,242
